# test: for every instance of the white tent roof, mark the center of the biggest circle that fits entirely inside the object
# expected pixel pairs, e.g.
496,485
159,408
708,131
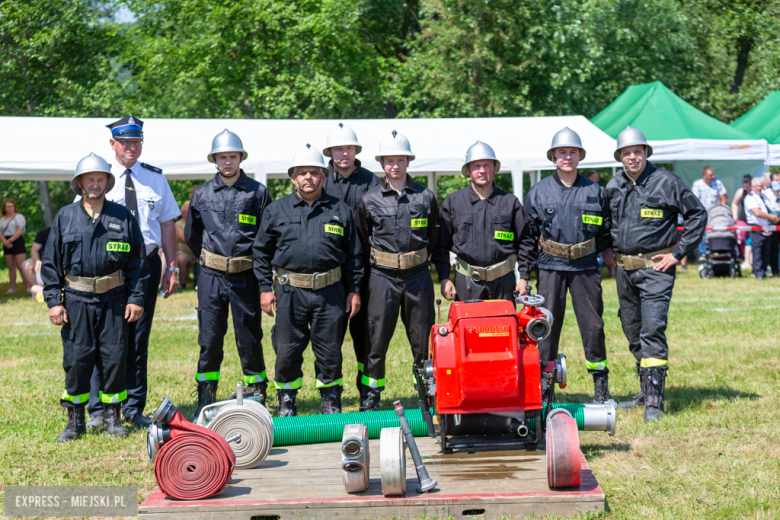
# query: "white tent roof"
774,155
709,149
49,148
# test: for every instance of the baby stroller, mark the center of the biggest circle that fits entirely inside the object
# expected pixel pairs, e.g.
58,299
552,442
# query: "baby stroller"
721,256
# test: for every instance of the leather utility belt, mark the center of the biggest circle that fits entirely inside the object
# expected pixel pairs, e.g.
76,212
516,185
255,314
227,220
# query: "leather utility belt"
643,261
399,260
153,253
568,251
98,285
309,281
236,264
486,274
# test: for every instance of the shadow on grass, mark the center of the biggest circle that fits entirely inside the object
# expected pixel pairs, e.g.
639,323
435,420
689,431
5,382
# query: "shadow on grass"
679,399
599,450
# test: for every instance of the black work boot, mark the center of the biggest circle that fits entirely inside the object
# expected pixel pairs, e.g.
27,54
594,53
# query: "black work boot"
655,381
601,388
371,402
112,424
75,427
207,394
259,390
287,402
95,421
637,399
330,399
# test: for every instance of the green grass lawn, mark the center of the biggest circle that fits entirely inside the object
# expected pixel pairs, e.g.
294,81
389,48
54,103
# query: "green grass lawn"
716,454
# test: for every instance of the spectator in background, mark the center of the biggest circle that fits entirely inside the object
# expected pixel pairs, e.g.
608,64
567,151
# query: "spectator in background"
772,194
758,215
710,191
31,268
184,257
12,226
740,217
592,175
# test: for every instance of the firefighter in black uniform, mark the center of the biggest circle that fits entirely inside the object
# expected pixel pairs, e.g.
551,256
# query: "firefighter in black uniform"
644,202
309,239
569,215
488,230
349,181
396,223
95,275
221,227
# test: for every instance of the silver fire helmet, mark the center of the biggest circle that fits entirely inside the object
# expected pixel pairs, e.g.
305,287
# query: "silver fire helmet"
308,156
341,136
394,144
477,152
566,138
227,141
630,137
89,164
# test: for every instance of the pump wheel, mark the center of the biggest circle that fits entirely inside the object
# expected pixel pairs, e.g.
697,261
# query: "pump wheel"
563,450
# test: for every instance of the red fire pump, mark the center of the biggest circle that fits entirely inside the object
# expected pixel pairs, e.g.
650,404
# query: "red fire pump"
484,381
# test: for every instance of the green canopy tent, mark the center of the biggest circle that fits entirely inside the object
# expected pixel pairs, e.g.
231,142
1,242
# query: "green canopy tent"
763,122
684,136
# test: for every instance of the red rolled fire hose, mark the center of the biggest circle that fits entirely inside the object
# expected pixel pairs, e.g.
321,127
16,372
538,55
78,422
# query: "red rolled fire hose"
196,463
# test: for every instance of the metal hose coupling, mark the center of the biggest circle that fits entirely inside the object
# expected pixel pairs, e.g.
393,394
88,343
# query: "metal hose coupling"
244,417
355,458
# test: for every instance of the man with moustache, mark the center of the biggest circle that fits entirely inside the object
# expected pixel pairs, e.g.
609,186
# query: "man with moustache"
94,274
569,218
644,203
488,230
309,238
222,224
396,223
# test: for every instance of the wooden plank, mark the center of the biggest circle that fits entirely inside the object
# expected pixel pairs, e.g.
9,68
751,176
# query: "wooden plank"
306,482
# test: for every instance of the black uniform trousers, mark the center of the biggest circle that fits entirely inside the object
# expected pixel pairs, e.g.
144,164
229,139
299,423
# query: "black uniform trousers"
499,289
94,338
216,292
357,329
303,315
585,288
412,294
644,296
137,352
774,253
762,245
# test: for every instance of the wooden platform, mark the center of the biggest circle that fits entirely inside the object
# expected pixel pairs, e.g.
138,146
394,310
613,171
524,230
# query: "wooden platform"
302,482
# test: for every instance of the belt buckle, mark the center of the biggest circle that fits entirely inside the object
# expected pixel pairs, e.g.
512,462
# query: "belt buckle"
475,275
227,265
284,279
314,281
372,258
99,285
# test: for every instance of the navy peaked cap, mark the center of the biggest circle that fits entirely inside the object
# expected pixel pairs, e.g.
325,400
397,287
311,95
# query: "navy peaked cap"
129,127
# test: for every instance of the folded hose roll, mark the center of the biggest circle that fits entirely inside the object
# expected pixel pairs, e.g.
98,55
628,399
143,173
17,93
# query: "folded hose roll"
193,462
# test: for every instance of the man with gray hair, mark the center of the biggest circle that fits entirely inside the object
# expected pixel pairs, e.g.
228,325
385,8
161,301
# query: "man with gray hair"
756,208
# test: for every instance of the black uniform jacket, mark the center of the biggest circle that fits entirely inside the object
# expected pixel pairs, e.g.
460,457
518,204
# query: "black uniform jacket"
484,232
643,217
397,224
569,216
308,239
350,189
81,246
224,219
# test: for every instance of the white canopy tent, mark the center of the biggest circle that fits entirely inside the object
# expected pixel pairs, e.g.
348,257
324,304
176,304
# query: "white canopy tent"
37,148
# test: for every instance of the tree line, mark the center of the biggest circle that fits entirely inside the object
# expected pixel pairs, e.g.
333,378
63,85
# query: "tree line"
378,58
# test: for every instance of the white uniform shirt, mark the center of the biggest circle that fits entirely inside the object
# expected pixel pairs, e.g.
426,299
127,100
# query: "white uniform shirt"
155,200
708,193
755,201
773,200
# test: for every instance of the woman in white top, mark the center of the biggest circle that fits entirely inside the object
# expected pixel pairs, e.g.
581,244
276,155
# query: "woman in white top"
12,226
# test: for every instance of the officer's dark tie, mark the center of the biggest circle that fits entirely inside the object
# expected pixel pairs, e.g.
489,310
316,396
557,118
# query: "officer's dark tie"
131,202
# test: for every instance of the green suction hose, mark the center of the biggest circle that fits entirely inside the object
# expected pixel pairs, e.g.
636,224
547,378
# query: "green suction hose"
314,429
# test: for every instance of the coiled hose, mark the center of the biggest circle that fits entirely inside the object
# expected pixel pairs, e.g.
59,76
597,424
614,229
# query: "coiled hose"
313,429
255,425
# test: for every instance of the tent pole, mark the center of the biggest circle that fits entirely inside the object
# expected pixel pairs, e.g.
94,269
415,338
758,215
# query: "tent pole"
48,212
517,183
614,171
